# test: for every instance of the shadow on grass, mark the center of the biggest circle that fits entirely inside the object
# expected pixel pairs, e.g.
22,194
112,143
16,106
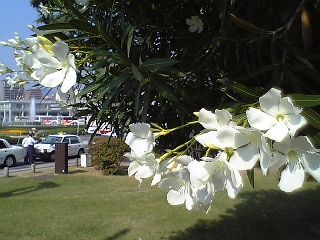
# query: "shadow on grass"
77,171
263,215
118,234
26,190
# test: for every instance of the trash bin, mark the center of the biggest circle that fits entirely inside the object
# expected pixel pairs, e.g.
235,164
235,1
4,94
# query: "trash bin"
85,160
61,157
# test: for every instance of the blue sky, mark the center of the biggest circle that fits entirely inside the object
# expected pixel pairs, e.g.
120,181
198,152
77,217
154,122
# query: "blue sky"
15,16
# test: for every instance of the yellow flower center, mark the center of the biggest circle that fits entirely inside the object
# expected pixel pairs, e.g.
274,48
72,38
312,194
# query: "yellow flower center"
292,154
280,117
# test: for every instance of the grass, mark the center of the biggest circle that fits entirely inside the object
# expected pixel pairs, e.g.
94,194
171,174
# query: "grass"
85,205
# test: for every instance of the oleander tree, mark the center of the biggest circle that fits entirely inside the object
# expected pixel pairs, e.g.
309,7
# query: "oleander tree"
226,85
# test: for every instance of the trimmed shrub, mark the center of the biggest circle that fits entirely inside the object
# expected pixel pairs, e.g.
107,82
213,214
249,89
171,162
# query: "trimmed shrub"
107,154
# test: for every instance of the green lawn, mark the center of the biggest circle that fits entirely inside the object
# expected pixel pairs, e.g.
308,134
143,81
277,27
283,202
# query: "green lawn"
83,205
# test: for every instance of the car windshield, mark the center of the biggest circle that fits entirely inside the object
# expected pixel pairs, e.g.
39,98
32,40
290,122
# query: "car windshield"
52,139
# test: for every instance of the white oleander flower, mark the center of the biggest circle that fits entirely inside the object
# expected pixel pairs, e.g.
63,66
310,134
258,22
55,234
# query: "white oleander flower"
15,42
278,116
213,121
255,148
142,167
224,137
178,183
195,24
57,67
140,139
12,81
44,10
215,174
298,155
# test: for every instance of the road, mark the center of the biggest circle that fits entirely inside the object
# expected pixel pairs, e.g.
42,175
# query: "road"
40,166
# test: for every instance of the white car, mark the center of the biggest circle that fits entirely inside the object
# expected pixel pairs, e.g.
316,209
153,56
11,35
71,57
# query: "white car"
10,154
45,150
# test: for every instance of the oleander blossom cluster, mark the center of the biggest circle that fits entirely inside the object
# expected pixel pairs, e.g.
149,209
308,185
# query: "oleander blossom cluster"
50,63
269,141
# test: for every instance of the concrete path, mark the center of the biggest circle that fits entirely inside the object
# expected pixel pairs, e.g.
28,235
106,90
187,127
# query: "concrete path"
40,166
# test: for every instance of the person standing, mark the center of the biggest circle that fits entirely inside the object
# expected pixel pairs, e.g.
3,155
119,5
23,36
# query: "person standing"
25,147
28,142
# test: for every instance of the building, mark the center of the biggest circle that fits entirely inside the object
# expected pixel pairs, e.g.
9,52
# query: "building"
8,92
33,93
20,112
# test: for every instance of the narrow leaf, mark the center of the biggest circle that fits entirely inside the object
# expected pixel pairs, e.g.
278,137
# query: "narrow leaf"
313,118
250,175
155,64
246,25
304,100
137,74
239,88
164,89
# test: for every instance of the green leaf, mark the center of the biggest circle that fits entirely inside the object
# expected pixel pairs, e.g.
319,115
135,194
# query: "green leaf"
89,89
312,117
314,136
302,53
304,100
164,89
239,88
137,74
250,175
155,64
259,72
73,25
246,25
68,4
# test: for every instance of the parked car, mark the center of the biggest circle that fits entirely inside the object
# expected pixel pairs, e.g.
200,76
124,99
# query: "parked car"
10,154
45,150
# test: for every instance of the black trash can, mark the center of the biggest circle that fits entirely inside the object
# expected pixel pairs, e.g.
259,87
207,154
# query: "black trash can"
61,157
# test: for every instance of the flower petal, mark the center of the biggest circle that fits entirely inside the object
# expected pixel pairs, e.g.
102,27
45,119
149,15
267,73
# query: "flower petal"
278,161
169,182
230,137
69,80
223,116
294,123
209,139
286,107
269,102
201,170
265,161
302,143
189,21
193,28
184,160
133,168
144,172
47,60
292,178
208,119
53,79
140,129
311,162
176,197
245,157
61,50
278,132
259,119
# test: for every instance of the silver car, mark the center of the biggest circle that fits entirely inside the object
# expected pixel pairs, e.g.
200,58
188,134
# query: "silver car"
10,154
